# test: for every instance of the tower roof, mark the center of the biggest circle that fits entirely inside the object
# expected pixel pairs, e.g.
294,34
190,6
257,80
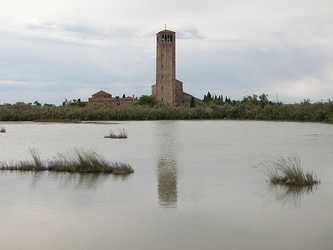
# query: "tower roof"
166,31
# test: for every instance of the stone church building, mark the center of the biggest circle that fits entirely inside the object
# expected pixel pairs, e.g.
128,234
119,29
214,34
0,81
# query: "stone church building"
168,89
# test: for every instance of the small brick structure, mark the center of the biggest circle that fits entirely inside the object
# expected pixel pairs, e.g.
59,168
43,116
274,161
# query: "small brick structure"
104,98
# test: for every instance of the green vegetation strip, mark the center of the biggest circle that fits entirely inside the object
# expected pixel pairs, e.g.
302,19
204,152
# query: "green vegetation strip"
233,110
82,162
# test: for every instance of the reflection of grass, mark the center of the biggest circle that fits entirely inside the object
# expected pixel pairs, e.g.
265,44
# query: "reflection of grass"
292,194
82,162
2,130
288,171
296,191
122,135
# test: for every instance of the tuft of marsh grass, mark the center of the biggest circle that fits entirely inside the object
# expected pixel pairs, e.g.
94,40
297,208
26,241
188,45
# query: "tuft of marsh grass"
2,130
122,135
288,171
81,162
121,169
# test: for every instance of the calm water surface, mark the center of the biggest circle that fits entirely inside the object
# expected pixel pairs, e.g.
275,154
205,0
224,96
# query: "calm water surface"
197,186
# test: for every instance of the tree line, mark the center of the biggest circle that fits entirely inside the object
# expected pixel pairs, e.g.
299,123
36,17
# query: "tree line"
252,107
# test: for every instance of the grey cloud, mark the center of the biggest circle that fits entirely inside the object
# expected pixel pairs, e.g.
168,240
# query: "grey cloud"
71,28
55,71
46,26
236,47
114,32
191,33
241,71
83,30
10,82
66,32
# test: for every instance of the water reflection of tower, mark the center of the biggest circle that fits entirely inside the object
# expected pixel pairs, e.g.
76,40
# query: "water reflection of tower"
167,165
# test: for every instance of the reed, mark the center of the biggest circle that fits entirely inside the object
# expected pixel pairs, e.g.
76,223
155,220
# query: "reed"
81,162
288,171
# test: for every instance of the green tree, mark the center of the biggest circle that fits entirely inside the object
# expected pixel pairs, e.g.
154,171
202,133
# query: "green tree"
147,100
37,103
263,100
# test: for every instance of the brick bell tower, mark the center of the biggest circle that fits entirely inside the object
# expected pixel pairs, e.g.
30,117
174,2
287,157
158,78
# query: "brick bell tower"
165,89
168,89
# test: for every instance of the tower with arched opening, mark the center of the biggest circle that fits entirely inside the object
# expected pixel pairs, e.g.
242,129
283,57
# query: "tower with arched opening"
168,89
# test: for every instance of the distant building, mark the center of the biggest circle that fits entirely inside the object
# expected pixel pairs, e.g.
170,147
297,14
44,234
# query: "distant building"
168,89
102,97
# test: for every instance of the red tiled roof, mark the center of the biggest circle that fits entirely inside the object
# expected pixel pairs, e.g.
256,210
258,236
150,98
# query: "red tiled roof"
102,93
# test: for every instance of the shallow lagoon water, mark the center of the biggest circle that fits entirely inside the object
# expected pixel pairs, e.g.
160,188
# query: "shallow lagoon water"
197,185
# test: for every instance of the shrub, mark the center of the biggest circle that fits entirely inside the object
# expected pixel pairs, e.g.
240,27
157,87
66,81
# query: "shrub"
147,100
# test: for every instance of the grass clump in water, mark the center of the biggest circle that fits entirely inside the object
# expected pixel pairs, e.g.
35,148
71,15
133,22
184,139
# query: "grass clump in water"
288,171
34,165
82,162
122,135
3,130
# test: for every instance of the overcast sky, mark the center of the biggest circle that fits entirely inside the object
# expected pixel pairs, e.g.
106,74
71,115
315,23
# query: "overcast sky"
56,49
